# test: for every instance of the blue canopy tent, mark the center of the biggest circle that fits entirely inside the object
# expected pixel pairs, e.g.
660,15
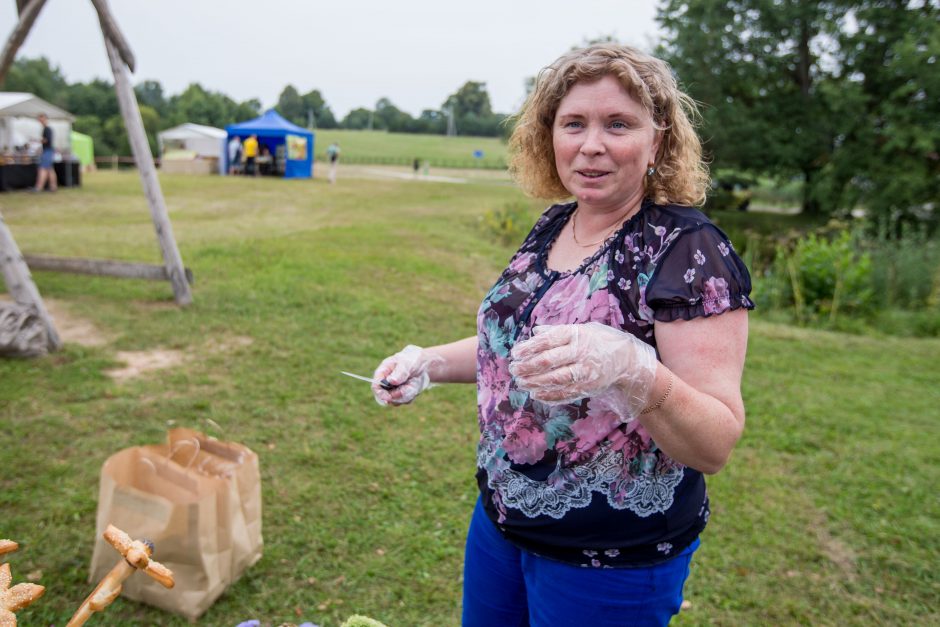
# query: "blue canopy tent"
290,145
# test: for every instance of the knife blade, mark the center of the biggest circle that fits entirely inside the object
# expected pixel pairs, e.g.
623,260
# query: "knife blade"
384,384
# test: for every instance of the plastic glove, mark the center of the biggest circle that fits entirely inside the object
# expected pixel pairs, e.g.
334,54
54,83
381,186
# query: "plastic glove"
564,363
407,371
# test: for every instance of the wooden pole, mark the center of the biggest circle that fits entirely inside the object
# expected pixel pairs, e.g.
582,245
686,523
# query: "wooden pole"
102,267
20,283
148,177
28,15
111,31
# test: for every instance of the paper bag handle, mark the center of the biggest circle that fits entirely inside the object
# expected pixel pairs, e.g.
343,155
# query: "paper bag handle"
194,442
179,477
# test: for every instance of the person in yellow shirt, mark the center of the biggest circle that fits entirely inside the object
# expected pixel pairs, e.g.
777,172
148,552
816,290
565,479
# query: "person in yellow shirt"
250,148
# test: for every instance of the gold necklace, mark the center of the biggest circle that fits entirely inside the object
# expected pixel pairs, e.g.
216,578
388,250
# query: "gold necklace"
607,231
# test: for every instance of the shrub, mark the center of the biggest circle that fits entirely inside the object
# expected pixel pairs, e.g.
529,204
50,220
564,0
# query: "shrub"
906,267
819,277
511,223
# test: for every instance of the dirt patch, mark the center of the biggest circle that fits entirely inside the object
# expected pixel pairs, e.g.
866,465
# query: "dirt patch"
139,363
836,551
72,329
142,362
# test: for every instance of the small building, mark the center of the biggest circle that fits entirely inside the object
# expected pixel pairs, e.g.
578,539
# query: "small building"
192,149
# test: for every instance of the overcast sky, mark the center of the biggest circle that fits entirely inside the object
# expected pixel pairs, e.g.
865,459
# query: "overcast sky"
414,52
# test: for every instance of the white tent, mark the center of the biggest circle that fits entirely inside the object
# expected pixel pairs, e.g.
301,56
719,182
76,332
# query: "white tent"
19,126
207,142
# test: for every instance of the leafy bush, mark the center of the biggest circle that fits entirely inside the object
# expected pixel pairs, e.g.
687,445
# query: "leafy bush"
819,277
906,267
511,223
888,282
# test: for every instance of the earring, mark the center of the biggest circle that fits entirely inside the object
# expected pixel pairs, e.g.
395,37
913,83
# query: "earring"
650,171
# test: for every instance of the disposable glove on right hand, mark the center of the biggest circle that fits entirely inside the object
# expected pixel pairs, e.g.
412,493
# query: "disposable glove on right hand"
564,363
407,371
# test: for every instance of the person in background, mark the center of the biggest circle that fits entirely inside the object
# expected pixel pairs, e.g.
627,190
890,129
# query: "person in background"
332,153
608,358
250,152
265,161
46,173
417,166
234,154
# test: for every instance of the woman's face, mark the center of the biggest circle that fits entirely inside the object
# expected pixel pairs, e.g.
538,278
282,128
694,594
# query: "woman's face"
604,141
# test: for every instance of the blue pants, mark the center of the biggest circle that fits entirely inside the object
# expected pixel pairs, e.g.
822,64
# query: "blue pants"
504,586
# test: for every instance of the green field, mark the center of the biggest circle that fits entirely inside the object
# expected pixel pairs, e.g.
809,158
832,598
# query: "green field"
404,148
827,513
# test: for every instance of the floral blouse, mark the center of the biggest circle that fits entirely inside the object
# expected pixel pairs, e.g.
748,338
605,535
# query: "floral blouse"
574,482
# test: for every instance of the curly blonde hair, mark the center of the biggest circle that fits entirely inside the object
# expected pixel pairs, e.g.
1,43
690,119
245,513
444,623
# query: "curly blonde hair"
681,175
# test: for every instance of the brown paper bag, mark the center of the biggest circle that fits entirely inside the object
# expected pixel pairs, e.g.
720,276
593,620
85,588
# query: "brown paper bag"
240,464
150,497
196,520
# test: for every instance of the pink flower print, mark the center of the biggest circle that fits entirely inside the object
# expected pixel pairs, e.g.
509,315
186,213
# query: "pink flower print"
616,313
624,284
494,379
637,430
601,307
723,249
618,257
521,262
612,552
699,257
590,430
630,243
565,301
659,230
664,547
689,275
525,441
595,563
717,299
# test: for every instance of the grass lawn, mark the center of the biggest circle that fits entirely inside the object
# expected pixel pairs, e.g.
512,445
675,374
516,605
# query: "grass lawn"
827,513
403,148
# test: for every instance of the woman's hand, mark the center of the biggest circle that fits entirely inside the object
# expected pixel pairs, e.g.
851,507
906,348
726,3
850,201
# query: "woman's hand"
563,363
406,373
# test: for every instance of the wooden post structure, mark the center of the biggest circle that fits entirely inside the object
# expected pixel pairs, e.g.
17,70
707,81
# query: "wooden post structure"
111,31
13,268
28,14
20,283
102,267
148,174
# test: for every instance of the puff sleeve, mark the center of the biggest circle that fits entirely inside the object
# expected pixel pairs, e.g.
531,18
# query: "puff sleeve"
700,275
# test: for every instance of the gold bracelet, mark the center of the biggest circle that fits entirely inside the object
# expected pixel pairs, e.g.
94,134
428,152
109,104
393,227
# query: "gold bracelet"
659,403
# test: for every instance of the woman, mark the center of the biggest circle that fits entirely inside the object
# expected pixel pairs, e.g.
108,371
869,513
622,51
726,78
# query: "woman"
608,383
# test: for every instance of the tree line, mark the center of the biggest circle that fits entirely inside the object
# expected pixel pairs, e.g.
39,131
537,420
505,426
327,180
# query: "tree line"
95,107
842,95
